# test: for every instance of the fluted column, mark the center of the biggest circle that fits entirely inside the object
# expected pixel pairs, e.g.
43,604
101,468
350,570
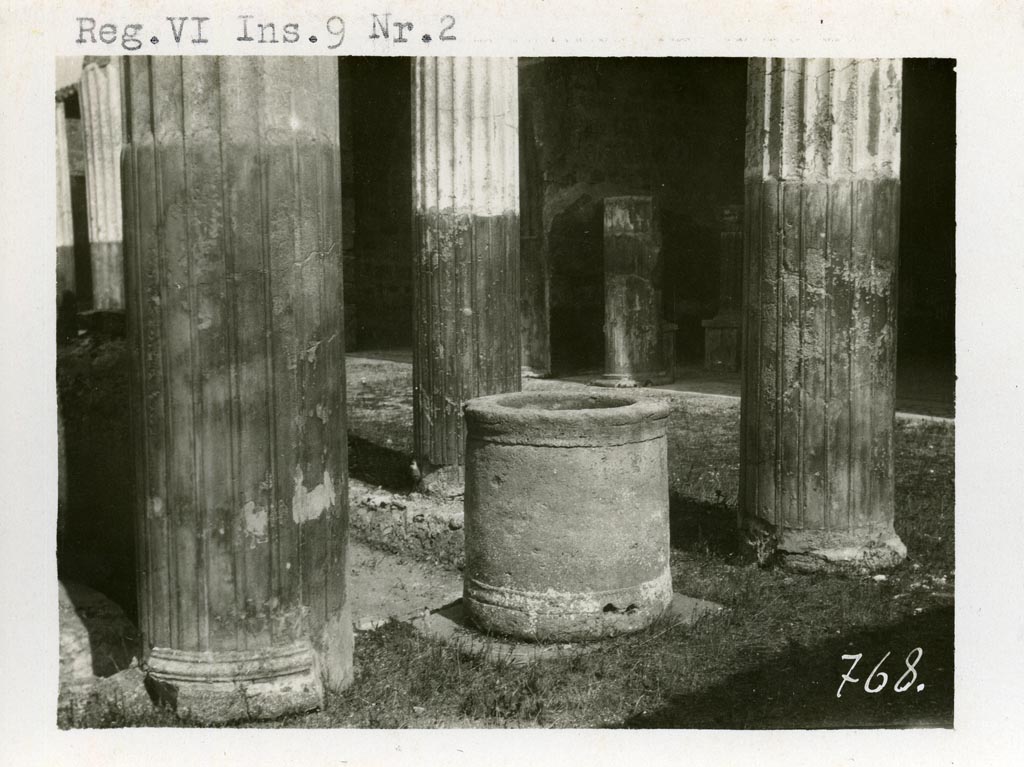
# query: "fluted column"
235,322
65,226
466,248
633,354
819,340
100,93
535,280
722,332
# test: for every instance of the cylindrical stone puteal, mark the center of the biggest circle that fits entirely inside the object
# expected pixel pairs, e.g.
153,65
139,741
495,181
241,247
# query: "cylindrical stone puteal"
566,514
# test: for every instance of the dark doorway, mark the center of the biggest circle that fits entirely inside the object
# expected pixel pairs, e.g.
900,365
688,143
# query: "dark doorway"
381,181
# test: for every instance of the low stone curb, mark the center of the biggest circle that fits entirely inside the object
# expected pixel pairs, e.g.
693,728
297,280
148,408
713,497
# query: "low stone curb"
450,624
411,524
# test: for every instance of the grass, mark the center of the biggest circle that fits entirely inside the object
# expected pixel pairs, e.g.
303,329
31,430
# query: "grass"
773,659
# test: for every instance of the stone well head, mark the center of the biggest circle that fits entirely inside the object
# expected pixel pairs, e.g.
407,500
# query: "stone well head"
567,527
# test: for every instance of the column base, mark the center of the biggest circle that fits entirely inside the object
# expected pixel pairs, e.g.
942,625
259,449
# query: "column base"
335,649
439,481
218,687
816,551
624,381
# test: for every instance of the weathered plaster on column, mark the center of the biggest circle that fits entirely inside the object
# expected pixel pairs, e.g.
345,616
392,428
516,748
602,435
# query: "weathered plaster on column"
235,321
822,234
632,293
466,245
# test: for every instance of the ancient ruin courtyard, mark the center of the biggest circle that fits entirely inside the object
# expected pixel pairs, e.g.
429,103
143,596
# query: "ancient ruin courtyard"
771,659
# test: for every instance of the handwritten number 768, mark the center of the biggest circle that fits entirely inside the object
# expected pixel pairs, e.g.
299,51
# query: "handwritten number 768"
880,677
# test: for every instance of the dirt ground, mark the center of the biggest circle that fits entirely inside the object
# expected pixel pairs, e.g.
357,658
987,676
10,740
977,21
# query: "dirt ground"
386,586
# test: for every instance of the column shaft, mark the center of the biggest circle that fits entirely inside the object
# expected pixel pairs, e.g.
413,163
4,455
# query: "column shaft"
722,332
235,321
101,119
822,216
65,224
632,293
466,246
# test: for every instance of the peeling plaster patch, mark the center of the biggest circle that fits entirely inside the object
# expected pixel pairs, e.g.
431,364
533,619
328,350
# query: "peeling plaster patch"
310,352
156,507
323,413
255,521
310,504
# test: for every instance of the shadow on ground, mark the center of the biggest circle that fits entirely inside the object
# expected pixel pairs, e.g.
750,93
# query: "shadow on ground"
96,531
708,528
797,689
94,631
378,465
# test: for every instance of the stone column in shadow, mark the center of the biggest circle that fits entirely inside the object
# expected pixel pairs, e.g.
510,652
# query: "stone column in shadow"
235,322
633,349
722,332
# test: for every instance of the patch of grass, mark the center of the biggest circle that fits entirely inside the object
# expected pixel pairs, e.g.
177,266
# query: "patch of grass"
772,659
779,626
379,398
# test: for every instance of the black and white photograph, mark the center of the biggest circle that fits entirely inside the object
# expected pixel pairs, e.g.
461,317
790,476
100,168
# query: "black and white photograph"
391,386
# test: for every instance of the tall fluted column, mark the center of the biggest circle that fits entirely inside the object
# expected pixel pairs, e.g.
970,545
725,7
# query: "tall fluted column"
633,354
66,305
65,226
819,336
235,322
466,248
100,92
722,332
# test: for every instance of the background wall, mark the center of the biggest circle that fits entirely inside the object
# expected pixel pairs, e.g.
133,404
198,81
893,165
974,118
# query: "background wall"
379,269
672,128
927,270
